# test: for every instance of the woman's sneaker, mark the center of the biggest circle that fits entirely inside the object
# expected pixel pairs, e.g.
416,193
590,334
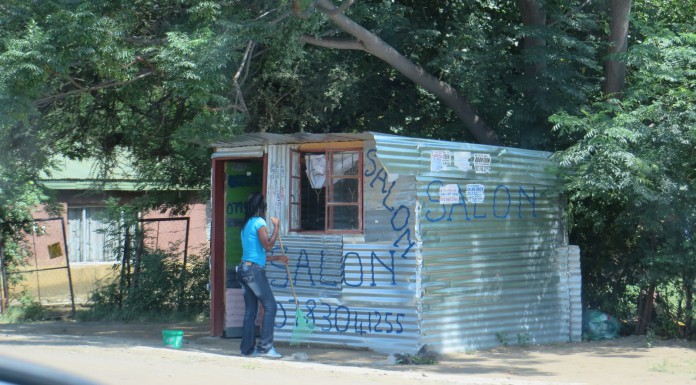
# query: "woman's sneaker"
271,353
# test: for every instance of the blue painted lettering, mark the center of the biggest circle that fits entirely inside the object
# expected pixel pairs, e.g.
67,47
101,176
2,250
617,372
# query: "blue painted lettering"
389,268
495,201
321,273
241,181
405,220
484,215
343,269
305,264
531,200
462,201
234,208
371,157
431,199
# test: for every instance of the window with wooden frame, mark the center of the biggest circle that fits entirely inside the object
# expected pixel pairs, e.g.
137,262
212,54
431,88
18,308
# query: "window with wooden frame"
326,190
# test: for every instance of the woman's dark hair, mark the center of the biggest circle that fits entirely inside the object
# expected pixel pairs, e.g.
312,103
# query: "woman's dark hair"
255,206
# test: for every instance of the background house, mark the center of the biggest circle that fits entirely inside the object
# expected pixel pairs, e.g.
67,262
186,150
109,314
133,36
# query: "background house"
91,252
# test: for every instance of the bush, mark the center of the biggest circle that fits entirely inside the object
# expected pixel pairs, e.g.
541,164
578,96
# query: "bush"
160,287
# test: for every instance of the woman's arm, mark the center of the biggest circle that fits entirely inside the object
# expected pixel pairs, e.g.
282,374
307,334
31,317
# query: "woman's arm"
266,241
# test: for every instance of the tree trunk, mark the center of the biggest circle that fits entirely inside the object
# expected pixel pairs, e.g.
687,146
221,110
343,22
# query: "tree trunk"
615,71
532,16
688,306
645,310
372,44
3,276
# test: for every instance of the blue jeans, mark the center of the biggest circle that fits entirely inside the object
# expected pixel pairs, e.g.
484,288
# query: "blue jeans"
256,289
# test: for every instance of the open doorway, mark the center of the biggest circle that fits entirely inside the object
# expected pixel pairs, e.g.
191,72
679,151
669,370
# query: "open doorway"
242,177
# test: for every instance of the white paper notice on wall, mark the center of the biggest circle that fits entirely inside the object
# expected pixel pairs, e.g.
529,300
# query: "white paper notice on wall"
474,193
449,194
482,163
439,160
462,160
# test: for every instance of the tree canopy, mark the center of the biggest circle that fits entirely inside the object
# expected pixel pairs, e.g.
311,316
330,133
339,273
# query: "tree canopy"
608,85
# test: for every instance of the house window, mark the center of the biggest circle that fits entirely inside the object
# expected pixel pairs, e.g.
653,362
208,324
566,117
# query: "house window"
326,191
87,236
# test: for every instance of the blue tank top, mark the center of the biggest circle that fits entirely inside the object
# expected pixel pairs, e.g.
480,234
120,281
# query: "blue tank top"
252,249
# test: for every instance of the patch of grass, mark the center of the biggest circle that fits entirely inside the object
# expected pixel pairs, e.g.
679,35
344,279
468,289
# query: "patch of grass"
650,338
29,310
523,339
423,357
662,367
672,367
503,338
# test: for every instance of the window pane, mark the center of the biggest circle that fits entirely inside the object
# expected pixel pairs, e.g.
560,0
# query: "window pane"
345,217
87,235
95,248
75,234
345,163
345,190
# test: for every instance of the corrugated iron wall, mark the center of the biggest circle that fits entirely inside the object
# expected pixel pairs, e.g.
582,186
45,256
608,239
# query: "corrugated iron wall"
358,290
491,271
463,248
277,177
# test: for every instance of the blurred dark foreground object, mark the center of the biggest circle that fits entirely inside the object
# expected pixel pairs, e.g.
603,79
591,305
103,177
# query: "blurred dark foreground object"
14,372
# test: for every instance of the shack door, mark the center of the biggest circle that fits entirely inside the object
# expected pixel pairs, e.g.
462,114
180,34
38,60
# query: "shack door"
242,177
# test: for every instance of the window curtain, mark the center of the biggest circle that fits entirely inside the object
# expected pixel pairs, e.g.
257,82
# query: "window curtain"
316,168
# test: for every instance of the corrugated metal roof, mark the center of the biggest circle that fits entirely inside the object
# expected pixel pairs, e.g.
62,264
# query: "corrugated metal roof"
71,174
267,138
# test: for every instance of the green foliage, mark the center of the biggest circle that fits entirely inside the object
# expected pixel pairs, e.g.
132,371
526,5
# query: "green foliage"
424,356
650,338
163,79
83,79
503,338
523,339
28,310
631,176
161,288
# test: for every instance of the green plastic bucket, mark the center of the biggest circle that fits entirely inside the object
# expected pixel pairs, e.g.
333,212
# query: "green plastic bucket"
173,338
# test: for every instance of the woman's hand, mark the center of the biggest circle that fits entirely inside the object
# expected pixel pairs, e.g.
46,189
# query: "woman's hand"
279,258
275,221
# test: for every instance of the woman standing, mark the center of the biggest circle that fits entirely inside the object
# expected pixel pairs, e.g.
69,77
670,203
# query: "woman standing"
252,272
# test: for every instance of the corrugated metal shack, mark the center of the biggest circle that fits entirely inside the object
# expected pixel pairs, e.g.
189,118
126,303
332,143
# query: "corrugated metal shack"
398,242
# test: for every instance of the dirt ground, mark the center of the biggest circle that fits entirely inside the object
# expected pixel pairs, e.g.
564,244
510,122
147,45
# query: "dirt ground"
132,353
